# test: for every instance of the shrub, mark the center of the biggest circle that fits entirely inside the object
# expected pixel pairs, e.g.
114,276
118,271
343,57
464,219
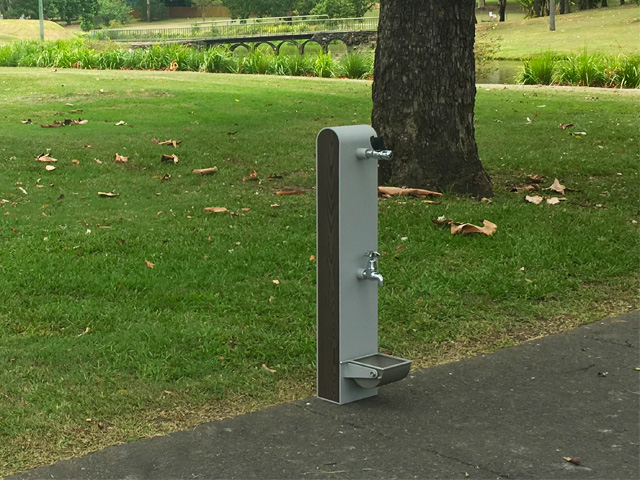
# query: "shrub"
539,70
586,70
356,65
324,65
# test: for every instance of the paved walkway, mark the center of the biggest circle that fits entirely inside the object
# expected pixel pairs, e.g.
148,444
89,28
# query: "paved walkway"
511,414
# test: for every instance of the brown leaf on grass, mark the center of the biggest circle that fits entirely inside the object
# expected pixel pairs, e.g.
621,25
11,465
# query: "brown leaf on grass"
535,178
86,330
488,228
216,209
45,158
276,282
107,194
78,110
418,192
270,370
120,159
55,124
75,161
175,143
555,200
49,168
440,221
26,122
564,126
149,264
536,199
574,460
169,159
290,192
557,187
253,175
121,122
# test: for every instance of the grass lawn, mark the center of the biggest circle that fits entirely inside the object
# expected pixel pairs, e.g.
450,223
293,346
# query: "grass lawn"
141,314
14,30
611,30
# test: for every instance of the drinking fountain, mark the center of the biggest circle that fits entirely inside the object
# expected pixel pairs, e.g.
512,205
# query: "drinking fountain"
349,366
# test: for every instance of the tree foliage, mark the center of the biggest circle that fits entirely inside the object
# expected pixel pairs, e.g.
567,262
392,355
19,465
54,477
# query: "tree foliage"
343,8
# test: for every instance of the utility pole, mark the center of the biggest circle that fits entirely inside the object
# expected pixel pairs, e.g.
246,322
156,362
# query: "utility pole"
41,13
552,15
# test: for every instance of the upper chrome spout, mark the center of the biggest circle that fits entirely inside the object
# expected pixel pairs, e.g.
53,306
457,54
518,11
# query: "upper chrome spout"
371,272
364,153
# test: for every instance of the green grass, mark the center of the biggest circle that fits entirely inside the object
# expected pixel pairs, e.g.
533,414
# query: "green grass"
98,348
16,30
611,31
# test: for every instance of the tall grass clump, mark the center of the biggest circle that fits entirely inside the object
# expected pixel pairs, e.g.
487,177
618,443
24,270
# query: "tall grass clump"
324,65
586,70
625,72
218,60
356,65
538,70
257,62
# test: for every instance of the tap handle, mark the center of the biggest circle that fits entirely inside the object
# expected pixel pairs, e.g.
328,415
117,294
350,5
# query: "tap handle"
377,143
372,254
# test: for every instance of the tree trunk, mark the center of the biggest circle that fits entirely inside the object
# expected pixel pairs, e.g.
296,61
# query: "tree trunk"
481,4
564,7
604,3
537,8
424,95
502,7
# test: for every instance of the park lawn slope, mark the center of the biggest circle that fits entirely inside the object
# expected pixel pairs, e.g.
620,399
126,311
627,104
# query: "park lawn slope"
610,31
14,30
139,313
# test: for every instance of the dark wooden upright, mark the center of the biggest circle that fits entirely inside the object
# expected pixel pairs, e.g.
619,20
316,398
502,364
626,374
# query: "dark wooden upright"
327,154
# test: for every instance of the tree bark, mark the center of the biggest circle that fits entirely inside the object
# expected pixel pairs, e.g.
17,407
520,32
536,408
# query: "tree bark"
424,95
502,8
564,7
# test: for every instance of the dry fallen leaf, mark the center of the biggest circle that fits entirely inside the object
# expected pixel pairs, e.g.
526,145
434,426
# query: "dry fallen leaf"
290,192
564,126
204,171
555,200
86,330
107,194
75,161
79,110
270,370
536,199
175,143
120,159
121,122
216,209
574,460
276,282
169,159
245,210
274,205
312,258
488,228
27,121
442,220
535,178
419,192
149,264
49,168
557,187
45,158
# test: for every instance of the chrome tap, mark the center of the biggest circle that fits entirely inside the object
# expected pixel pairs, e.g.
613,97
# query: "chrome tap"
364,153
371,272
377,150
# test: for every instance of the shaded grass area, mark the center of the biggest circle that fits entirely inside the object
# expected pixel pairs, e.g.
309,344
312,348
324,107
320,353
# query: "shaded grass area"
610,31
99,348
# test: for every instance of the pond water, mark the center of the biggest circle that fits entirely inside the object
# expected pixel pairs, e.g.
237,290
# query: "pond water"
499,71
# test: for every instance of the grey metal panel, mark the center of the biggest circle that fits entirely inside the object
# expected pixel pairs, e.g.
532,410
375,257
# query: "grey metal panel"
358,218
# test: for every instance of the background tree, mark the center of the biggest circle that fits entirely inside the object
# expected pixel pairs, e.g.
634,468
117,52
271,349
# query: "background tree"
343,8
502,8
424,96
202,6
113,11
158,9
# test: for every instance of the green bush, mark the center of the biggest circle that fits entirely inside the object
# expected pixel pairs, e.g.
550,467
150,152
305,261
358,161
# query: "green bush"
356,65
539,70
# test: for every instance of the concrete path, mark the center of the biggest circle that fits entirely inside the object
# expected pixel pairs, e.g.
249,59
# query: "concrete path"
515,413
